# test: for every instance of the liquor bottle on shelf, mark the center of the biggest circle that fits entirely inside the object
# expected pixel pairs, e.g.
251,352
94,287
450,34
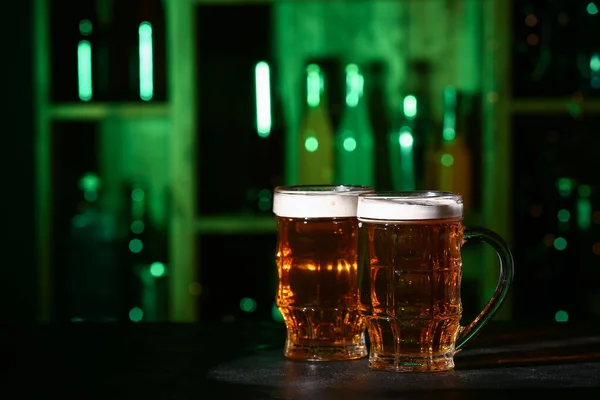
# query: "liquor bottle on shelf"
316,135
412,136
354,140
555,203
455,172
92,273
555,44
240,135
74,35
588,48
147,256
380,121
138,56
266,143
400,147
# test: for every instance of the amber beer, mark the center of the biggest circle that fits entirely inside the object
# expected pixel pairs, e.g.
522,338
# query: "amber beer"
410,270
316,258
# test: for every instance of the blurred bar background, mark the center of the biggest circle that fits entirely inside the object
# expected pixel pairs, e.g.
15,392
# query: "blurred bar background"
146,137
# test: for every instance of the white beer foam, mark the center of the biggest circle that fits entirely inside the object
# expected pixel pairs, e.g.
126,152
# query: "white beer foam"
338,202
409,208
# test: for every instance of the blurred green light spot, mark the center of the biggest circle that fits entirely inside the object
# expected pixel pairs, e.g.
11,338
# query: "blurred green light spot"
410,106
447,160
135,245
137,227
264,193
247,304
564,215
85,27
592,9
276,314
138,195
584,191
561,316
449,134
136,314
84,70
264,203
406,138
563,226
157,269
595,62
314,85
146,61
584,213
311,144
262,79
349,144
564,186
560,243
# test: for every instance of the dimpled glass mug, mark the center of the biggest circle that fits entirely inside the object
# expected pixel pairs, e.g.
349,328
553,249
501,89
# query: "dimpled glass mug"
410,271
317,290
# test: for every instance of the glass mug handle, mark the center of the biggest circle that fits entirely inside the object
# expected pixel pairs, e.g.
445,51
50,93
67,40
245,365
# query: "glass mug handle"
507,270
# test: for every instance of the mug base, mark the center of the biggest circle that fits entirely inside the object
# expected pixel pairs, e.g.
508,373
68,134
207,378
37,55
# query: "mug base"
303,352
412,364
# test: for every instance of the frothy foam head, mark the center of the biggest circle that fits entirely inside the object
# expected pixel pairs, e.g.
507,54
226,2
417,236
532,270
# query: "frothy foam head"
409,206
317,201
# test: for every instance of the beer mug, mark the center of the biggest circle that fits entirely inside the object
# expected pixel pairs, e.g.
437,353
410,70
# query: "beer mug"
410,270
317,291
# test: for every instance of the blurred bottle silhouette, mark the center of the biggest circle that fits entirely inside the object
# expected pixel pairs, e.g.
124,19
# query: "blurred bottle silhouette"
411,138
265,145
380,121
354,139
455,172
146,263
92,274
316,136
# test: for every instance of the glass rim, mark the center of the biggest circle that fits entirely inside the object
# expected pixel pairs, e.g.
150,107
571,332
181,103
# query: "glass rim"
409,205
413,195
320,190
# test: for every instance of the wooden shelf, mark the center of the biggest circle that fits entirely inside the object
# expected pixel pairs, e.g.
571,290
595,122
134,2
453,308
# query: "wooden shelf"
235,224
553,106
99,111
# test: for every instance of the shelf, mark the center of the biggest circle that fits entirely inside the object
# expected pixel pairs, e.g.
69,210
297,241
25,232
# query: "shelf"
235,224
553,106
230,2
261,224
99,111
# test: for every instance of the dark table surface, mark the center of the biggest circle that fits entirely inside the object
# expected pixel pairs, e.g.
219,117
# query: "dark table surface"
244,361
